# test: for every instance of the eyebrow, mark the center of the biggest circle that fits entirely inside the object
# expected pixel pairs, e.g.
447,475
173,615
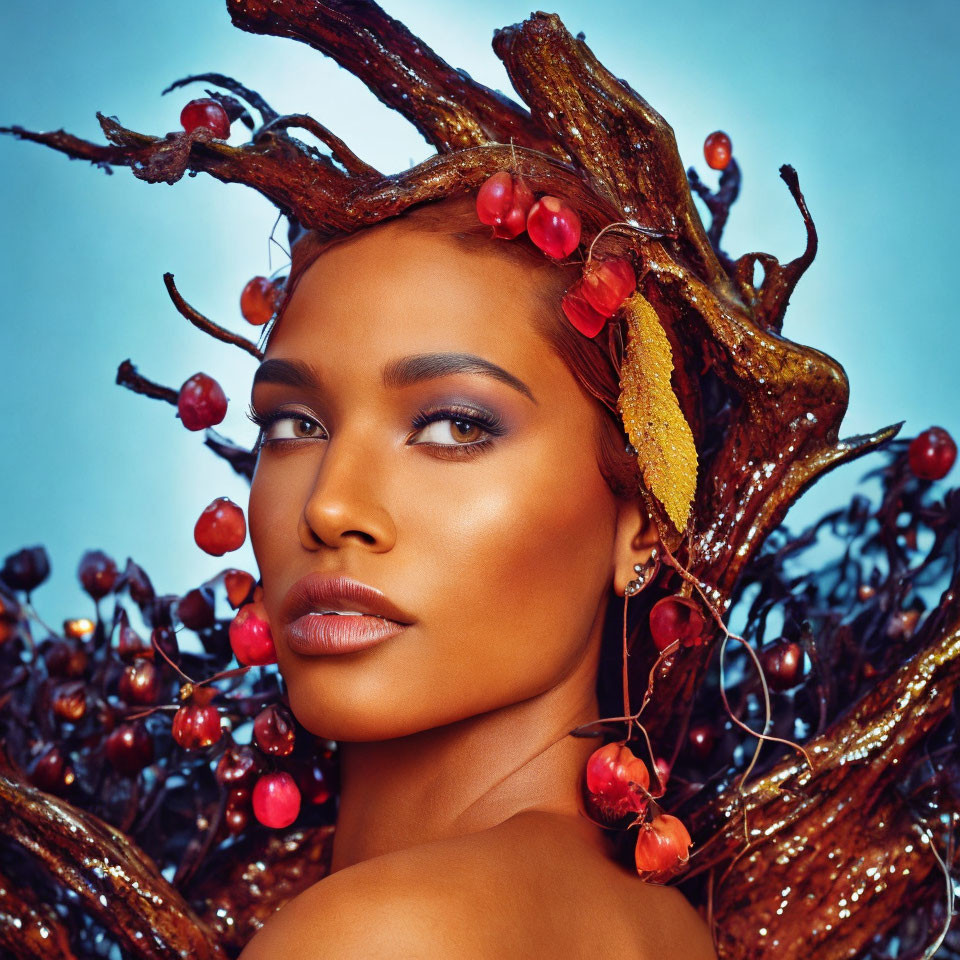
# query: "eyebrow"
397,373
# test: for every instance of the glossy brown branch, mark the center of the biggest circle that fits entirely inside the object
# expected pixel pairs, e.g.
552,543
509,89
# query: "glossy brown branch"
29,928
267,113
115,880
450,109
127,376
208,326
251,881
818,862
338,149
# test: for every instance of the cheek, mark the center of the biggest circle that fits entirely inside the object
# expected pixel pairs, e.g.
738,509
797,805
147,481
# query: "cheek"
521,562
272,517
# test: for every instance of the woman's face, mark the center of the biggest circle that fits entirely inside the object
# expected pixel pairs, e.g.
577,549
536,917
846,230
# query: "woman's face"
496,539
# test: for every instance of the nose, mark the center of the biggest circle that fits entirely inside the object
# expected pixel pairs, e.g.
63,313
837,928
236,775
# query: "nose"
343,506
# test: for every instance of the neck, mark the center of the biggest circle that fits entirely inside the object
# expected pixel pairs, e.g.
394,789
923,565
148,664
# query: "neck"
467,776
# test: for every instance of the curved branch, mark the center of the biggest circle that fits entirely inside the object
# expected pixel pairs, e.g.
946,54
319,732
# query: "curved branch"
267,113
128,377
208,326
113,878
340,151
450,109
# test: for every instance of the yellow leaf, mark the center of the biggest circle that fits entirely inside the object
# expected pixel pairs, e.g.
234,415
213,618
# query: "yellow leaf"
652,416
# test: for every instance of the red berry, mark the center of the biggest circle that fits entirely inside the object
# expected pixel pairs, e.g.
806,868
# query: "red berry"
195,609
607,283
130,748
717,150
238,584
554,227
206,112
782,664
251,638
932,454
274,730
237,767
70,701
662,769
26,569
580,313
276,800
702,740
201,402
662,845
47,769
140,682
97,573
65,659
617,780
236,819
129,643
196,726
676,619
138,583
220,528
312,779
258,301
503,202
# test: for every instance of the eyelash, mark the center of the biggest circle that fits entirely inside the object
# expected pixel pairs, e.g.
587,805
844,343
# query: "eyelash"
491,423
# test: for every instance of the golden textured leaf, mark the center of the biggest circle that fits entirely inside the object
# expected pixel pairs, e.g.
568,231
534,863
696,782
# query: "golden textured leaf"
651,413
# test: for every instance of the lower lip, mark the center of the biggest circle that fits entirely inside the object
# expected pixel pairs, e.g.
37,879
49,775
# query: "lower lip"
317,634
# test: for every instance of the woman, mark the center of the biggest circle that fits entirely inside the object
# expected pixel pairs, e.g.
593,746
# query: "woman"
423,437
468,457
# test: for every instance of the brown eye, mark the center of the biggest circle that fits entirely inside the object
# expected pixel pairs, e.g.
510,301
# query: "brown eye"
460,430
292,426
465,430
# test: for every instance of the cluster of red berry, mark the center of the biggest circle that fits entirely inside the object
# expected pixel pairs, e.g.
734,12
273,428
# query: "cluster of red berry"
506,203
617,786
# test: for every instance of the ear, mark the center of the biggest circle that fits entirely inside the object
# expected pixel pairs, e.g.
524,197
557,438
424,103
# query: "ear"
635,537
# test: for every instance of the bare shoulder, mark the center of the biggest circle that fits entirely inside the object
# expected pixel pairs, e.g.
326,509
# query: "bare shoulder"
516,891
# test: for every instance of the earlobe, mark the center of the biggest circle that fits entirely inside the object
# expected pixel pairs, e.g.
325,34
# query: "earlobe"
635,544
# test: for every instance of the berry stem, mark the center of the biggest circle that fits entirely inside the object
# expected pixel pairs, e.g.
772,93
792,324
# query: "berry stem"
156,647
645,231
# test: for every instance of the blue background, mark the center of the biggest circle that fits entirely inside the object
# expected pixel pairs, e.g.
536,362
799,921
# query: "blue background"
859,95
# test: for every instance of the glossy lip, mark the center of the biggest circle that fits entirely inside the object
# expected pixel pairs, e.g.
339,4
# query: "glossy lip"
316,635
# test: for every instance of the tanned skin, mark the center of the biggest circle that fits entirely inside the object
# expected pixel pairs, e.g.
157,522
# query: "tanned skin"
460,831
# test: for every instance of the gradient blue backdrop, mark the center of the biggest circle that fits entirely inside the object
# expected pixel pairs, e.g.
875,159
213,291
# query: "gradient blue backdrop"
859,95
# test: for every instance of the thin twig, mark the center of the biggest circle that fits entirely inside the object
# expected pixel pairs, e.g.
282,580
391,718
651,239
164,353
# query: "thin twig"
208,326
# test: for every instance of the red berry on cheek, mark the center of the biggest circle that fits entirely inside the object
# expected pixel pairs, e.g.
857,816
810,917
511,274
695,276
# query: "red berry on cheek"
238,584
932,454
251,637
201,402
503,202
206,112
276,800
580,313
554,227
220,528
607,283
717,150
258,301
